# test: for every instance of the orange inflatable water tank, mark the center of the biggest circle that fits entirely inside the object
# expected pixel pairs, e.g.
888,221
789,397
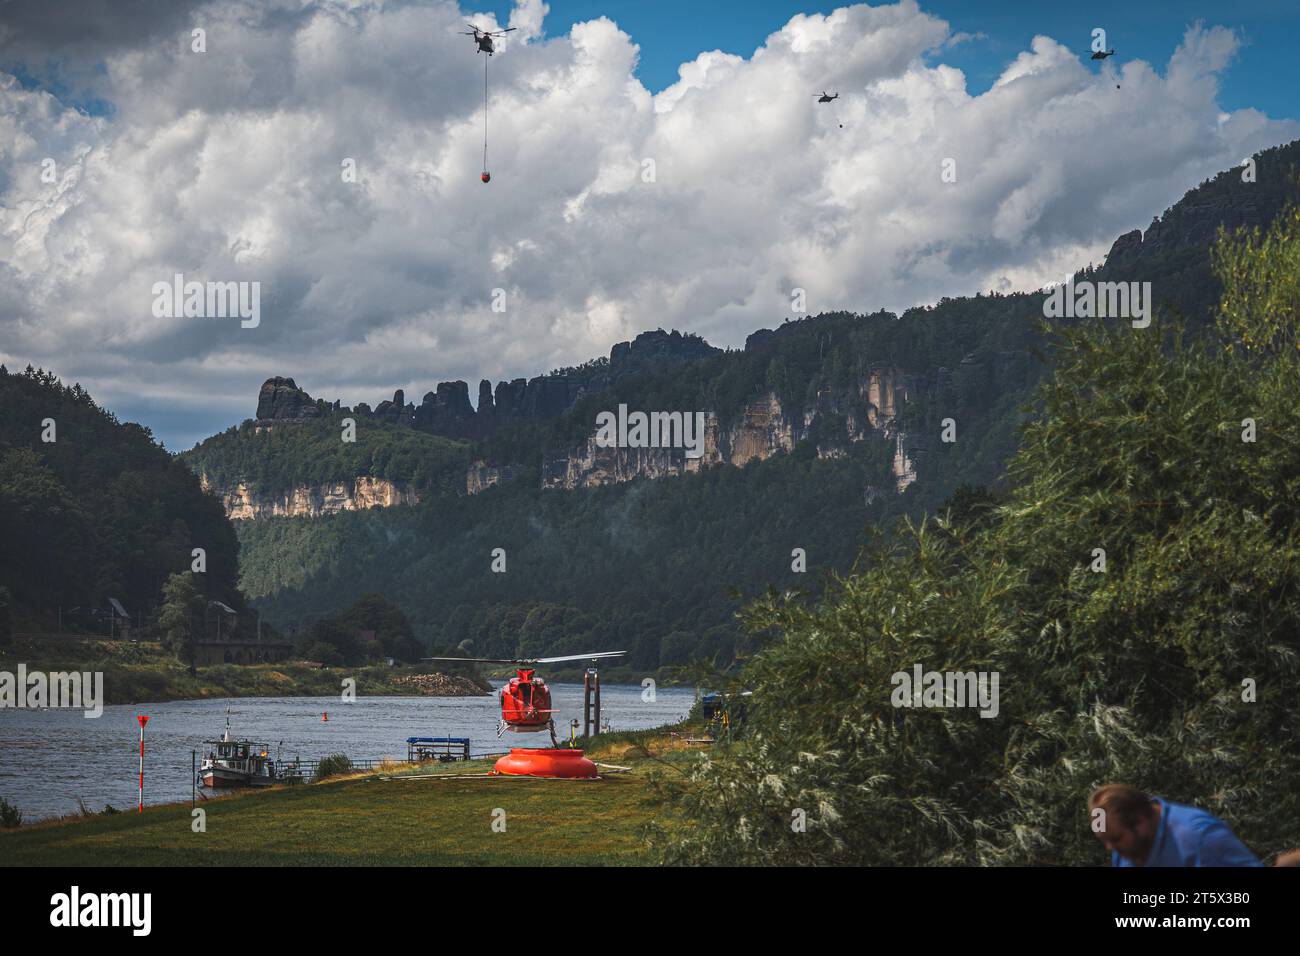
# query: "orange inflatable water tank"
548,762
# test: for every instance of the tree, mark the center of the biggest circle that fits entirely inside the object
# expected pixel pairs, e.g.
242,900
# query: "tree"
341,633
1169,666
6,615
324,652
1260,305
181,616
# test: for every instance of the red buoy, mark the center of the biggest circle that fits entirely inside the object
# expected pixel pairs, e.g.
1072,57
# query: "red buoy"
486,177
549,762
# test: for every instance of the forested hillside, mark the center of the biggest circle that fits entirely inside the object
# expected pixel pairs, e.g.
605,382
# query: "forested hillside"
275,460
648,566
98,511
661,566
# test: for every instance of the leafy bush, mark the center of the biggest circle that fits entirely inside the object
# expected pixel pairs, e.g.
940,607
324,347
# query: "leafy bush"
335,765
1170,667
10,815
325,653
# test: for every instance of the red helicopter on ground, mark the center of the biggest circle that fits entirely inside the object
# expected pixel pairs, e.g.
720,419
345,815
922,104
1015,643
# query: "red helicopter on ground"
526,700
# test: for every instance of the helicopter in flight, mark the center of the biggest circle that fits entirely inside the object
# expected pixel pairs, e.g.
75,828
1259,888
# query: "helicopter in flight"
526,700
485,45
826,97
484,38
1102,54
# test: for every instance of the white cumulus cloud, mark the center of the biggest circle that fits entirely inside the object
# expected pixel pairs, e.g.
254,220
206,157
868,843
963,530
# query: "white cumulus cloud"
610,210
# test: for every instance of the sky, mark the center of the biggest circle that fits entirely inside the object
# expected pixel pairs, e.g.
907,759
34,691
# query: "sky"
654,165
673,32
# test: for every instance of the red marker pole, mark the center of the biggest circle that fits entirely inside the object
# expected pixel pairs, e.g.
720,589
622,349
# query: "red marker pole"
143,720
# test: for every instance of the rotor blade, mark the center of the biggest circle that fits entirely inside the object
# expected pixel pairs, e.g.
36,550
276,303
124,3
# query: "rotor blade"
581,657
474,660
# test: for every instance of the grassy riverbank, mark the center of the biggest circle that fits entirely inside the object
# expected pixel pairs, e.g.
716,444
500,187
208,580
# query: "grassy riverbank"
143,672
391,821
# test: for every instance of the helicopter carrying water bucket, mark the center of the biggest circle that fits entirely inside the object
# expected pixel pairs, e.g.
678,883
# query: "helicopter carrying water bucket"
483,39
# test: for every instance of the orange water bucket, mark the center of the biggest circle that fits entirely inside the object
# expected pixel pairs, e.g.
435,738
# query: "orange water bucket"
547,762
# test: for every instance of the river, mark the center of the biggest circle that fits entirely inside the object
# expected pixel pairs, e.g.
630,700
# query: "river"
50,758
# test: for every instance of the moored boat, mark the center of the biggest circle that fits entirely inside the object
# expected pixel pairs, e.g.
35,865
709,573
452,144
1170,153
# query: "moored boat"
237,763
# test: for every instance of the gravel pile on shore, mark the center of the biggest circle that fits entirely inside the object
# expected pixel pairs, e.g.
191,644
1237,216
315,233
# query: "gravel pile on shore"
441,685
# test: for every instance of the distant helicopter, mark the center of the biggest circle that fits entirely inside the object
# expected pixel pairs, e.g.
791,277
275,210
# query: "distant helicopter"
827,98
1102,54
526,700
484,38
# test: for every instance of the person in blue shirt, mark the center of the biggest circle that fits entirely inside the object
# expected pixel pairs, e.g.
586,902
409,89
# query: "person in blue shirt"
1142,830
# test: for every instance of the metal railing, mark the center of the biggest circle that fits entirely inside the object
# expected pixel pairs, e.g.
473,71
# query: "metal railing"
306,769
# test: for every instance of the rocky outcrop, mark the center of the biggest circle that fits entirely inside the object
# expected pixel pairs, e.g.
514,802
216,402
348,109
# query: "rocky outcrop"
482,476
447,411
281,400
761,429
1180,239
904,470
590,465
649,348
1193,223
363,493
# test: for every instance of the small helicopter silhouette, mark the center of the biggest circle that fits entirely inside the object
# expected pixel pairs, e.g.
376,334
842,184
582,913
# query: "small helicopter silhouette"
526,700
826,97
484,38
1102,54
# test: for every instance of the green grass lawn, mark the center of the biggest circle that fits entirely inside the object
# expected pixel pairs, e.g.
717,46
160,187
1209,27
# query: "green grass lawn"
370,820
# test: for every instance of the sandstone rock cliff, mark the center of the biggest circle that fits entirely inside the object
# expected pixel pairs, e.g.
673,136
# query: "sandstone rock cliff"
761,429
241,502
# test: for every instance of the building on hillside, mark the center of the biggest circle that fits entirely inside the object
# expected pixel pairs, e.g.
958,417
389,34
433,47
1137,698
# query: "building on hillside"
238,651
229,646
119,621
